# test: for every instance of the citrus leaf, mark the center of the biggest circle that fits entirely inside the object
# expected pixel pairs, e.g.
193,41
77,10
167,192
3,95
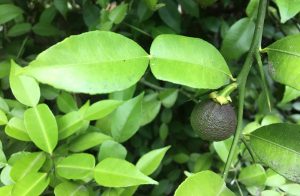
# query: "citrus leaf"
113,172
202,184
111,149
6,190
276,145
289,95
3,118
96,65
188,61
9,12
32,184
238,39
101,109
41,127
15,128
25,89
27,164
284,58
150,108
76,166
66,102
287,9
253,175
19,29
150,161
70,188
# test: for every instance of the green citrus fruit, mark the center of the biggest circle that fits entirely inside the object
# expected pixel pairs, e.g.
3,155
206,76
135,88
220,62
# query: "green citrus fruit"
212,121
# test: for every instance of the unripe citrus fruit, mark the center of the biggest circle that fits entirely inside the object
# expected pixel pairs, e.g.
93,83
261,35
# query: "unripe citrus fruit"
212,121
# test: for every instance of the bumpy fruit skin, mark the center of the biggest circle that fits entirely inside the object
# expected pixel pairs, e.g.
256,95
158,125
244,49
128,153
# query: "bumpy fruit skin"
212,121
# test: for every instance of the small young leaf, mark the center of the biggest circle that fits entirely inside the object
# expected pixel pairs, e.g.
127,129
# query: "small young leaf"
101,109
202,184
188,61
168,97
41,127
150,108
276,145
289,95
113,172
150,161
126,119
25,89
66,102
111,149
70,188
253,175
287,9
3,118
32,184
291,189
29,163
76,166
9,12
15,128
88,140
118,14
19,29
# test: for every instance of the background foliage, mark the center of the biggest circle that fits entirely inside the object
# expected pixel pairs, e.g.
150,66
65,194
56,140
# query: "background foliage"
142,130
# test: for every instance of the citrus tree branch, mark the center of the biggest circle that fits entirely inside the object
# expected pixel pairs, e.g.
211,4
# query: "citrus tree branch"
242,79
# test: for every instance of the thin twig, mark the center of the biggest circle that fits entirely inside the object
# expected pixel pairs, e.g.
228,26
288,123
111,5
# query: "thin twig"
249,149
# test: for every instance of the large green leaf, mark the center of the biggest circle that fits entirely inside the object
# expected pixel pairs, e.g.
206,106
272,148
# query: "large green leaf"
203,184
27,164
92,62
284,58
237,40
70,188
277,145
287,9
188,61
15,128
113,172
76,166
9,12
25,89
126,119
150,161
32,184
41,127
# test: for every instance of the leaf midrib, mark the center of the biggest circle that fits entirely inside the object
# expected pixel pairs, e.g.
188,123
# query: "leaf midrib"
34,184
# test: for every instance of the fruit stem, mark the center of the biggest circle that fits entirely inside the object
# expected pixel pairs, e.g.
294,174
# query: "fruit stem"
228,89
242,79
223,97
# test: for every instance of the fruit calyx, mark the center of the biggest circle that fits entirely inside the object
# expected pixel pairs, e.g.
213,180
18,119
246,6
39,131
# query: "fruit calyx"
223,97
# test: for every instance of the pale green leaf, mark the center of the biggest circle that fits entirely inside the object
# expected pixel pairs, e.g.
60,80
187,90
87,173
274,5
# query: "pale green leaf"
274,179
92,62
32,184
29,163
101,109
41,127
284,58
126,119
113,172
118,14
277,146
6,190
203,184
25,89
253,175
9,12
88,140
292,189
111,149
70,189
76,166
188,61
289,95
150,108
15,128
66,102
3,118
150,161
287,9
168,97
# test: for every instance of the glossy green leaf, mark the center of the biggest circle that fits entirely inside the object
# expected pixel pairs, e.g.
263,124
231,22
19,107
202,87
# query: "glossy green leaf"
123,95
126,119
4,68
284,56
289,95
238,39
252,8
69,124
270,119
5,175
222,148
150,161
3,118
170,15
32,184
25,89
45,29
168,97
9,12
15,128
70,188
96,65
270,193
202,184
150,108
287,9
274,179
276,145
113,172
41,127
101,109
29,163
6,190
76,166
66,102
111,149
88,140
19,29
188,61
151,4
291,189
61,6
118,14
253,175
